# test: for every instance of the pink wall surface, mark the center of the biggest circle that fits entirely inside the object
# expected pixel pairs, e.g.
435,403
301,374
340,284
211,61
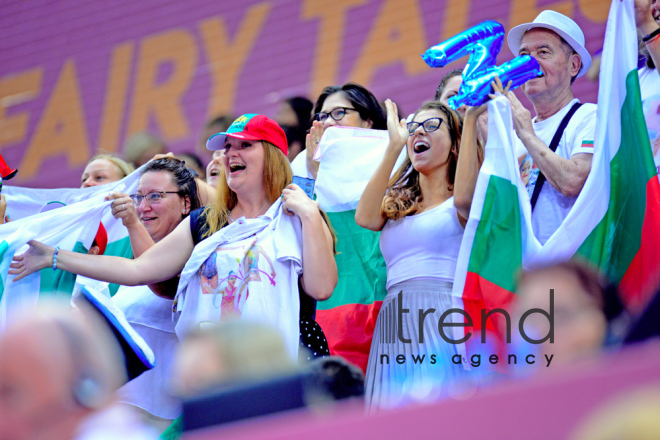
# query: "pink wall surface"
78,77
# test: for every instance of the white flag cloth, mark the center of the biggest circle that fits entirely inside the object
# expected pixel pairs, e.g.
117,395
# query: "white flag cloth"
348,158
64,227
248,270
73,224
25,202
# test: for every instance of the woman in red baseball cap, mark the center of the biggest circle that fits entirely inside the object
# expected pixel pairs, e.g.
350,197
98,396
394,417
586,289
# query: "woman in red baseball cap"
257,211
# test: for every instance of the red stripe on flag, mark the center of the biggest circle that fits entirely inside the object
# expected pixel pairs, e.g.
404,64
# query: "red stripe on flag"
481,294
349,330
642,278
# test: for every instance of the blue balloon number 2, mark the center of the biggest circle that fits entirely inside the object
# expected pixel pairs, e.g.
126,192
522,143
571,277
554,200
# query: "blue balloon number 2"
482,42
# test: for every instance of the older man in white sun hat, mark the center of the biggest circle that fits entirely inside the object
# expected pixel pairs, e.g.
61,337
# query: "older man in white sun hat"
560,168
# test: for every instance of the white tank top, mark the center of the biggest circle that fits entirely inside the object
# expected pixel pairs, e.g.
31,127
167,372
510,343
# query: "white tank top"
424,245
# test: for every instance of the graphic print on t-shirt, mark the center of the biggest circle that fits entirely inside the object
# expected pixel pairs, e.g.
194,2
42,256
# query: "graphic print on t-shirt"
232,290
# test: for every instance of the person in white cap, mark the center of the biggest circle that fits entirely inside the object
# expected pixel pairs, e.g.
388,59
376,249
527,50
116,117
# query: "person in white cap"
557,43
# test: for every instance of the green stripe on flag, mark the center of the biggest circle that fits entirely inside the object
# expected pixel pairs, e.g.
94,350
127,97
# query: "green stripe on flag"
497,249
3,248
359,261
60,283
613,244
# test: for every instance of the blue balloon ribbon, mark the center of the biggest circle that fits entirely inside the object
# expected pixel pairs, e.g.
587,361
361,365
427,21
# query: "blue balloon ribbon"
482,43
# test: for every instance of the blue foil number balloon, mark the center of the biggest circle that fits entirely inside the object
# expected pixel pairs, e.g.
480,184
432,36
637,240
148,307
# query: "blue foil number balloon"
482,43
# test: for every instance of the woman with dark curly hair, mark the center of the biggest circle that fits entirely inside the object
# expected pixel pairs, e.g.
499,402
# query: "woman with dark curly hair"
166,194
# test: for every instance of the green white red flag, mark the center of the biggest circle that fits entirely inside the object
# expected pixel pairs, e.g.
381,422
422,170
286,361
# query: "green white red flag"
614,222
348,318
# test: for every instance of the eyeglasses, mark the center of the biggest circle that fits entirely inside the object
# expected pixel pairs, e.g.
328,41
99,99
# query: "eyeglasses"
429,126
152,198
337,114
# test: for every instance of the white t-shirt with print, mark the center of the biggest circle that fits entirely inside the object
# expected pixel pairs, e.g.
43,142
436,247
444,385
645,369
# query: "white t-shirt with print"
248,270
552,207
649,84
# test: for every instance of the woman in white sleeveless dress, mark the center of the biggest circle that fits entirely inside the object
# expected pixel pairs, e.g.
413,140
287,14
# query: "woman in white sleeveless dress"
422,224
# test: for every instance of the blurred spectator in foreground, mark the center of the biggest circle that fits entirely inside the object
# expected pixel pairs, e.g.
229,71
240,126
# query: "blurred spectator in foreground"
227,361
588,313
334,378
295,116
231,351
58,373
631,416
140,148
194,163
226,353
104,168
647,324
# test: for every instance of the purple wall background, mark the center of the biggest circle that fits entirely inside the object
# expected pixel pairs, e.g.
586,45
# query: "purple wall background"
280,64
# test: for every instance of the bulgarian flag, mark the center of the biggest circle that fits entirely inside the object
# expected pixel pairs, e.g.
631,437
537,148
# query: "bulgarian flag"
496,233
625,242
614,222
349,157
65,217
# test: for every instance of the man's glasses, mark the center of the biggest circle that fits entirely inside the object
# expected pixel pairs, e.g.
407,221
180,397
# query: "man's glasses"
152,198
337,114
429,126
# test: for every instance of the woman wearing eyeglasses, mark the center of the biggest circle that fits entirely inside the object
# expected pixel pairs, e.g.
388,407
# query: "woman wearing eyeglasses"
350,105
421,212
166,194
255,205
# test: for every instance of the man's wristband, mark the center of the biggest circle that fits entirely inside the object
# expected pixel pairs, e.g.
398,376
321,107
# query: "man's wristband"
57,249
651,36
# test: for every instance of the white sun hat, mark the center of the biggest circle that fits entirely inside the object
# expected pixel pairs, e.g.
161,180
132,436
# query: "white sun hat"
563,26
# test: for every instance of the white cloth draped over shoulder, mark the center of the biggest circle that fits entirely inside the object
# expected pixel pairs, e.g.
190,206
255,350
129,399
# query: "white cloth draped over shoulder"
249,270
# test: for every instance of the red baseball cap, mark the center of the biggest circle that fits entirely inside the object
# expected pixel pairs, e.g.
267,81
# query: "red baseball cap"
251,127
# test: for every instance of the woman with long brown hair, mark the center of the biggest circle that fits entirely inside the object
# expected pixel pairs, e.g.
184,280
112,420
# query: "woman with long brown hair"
421,212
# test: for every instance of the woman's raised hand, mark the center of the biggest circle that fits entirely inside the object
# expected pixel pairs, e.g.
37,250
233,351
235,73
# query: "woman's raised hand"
124,209
38,256
311,144
497,87
295,201
398,130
